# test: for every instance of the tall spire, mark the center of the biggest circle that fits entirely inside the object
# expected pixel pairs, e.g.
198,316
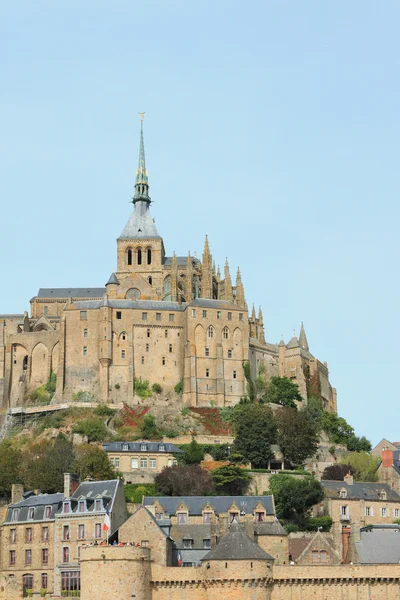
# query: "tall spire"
239,297
228,283
303,338
206,278
142,181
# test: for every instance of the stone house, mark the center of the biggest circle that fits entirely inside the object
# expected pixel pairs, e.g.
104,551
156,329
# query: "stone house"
307,548
353,505
42,534
141,461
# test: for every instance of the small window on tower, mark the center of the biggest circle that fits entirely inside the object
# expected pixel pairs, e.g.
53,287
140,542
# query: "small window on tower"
150,281
129,255
122,353
207,351
139,256
218,314
204,314
207,372
147,347
229,353
163,361
83,315
229,316
119,314
170,347
158,316
234,374
149,256
84,351
240,316
144,316
142,360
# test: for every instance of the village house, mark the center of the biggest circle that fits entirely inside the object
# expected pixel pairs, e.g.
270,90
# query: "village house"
141,461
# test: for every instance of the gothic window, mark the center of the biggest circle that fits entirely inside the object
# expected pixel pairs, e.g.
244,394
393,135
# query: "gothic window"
139,256
225,333
167,288
149,256
210,331
129,256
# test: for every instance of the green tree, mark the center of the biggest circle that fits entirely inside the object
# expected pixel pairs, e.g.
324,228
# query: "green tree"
250,388
255,432
283,391
294,497
314,410
364,465
358,444
94,429
44,464
337,428
230,480
193,454
92,461
10,467
149,429
184,480
297,436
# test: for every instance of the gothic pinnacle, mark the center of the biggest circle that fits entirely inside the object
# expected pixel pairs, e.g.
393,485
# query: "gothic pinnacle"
303,338
142,182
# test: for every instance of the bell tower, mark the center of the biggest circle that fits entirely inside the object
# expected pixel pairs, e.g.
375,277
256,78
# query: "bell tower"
140,248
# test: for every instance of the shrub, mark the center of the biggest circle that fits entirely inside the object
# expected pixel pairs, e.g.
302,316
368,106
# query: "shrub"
185,411
179,387
41,395
323,523
117,386
51,383
94,429
156,388
142,388
149,429
135,491
82,396
43,592
102,410
291,528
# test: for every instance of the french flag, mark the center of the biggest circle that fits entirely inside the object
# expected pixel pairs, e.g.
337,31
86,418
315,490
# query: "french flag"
179,559
107,521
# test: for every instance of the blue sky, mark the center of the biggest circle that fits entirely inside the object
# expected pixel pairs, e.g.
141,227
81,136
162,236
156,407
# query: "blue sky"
272,126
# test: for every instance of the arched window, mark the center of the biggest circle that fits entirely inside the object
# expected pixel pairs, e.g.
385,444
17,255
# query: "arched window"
139,256
167,288
149,256
225,333
129,256
210,331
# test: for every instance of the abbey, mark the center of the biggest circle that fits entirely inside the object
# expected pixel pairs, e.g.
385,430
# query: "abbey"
166,319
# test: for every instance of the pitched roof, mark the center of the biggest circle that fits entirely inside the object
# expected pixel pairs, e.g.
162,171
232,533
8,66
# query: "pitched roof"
151,447
293,343
236,545
220,504
209,303
181,261
359,490
113,279
38,502
379,544
71,292
269,528
128,304
140,224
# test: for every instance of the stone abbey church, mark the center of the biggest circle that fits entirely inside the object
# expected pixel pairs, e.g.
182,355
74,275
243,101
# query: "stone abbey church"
161,318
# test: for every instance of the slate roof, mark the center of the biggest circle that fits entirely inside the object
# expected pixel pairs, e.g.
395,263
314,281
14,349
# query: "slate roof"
39,503
359,490
236,545
113,279
71,292
91,489
151,447
269,528
220,504
140,224
209,303
11,316
196,532
158,305
379,544
181,261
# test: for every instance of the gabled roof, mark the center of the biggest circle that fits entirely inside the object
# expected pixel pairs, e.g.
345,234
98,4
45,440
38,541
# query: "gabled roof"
294,343
269,528
151,447
220,504
359,490
236,545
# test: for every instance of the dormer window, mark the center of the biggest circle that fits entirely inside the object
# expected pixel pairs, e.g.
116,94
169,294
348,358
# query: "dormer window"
67,507
382,495
161,448
343,493
187,543
260,517
31,513
47,512
182,518
98,505
143,447
15,514
234,517
82,506
125,447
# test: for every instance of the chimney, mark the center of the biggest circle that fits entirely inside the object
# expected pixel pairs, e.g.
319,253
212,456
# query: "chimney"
348,479
223,523
71,483
17,492
213,533
387,458
345,542
249,526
